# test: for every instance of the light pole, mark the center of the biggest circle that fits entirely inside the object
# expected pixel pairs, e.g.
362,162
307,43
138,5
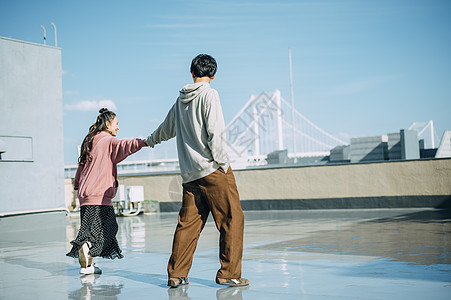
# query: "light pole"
43,28
56,42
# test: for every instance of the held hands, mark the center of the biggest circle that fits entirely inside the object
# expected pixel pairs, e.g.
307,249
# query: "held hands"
146,143
149,142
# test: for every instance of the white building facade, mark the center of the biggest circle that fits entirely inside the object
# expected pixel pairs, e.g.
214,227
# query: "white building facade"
31,128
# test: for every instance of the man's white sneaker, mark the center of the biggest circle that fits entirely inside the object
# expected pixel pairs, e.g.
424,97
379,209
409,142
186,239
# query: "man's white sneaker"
232,282
90,270
84,258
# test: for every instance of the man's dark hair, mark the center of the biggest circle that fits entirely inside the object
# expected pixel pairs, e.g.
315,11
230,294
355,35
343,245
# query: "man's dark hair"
203,65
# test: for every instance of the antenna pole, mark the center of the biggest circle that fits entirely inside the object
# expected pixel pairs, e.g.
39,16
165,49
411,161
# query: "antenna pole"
431,128
292,104
56,42
43,28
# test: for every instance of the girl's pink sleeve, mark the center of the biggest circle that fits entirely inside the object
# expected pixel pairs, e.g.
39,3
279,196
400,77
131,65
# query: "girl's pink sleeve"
120,149
77,177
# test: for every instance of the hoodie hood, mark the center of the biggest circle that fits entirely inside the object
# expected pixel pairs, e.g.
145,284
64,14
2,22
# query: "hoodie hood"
191,91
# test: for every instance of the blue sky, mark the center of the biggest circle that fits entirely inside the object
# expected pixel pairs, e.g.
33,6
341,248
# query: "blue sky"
360,68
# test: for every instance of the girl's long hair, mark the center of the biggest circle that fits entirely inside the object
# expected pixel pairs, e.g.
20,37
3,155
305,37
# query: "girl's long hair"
100,125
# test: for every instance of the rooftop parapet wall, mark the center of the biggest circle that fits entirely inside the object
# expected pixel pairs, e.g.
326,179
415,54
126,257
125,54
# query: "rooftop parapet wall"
401,178
415,183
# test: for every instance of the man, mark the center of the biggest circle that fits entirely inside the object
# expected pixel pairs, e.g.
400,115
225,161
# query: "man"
197,121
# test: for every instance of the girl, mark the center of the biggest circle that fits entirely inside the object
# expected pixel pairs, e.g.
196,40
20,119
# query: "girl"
96,182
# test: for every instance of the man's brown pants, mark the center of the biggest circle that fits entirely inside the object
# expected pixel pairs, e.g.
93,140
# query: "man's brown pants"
216,193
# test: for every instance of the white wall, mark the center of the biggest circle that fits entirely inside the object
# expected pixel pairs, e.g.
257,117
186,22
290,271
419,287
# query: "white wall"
31,127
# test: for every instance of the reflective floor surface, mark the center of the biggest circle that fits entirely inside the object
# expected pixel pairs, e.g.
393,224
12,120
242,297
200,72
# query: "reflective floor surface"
328,254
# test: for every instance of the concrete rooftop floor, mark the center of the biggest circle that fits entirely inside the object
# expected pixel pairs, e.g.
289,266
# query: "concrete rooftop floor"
317,254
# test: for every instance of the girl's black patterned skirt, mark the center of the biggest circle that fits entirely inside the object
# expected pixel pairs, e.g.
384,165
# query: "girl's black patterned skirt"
98,226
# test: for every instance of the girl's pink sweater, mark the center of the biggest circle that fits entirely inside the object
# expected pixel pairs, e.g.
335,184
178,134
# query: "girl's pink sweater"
96,181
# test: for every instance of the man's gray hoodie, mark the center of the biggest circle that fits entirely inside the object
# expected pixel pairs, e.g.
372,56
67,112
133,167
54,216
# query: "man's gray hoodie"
197,121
